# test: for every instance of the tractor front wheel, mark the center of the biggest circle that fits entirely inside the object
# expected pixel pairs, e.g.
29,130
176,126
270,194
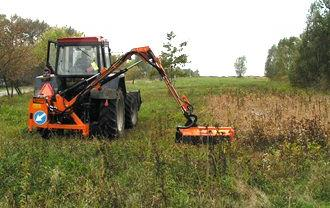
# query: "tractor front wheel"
44,133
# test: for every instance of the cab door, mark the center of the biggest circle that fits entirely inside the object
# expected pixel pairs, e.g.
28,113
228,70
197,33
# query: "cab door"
51,56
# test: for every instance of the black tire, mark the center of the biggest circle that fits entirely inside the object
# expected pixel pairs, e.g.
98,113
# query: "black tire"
131,110
44,133
111,120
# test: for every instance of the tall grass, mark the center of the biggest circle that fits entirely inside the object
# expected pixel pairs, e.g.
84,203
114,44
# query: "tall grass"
280,158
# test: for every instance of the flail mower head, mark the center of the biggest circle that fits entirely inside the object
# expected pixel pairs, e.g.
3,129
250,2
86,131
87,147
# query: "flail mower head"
204,134
195,134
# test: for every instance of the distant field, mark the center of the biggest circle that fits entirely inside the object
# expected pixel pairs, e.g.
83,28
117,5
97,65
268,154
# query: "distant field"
280,158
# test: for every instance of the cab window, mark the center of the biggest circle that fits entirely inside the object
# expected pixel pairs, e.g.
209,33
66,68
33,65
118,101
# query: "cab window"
77,60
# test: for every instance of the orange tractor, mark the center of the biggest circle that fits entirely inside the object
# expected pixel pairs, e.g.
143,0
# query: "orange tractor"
81,90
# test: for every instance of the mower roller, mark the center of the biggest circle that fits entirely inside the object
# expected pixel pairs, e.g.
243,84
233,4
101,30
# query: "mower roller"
74,107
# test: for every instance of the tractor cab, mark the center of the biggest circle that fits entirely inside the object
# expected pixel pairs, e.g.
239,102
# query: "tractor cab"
69,60
78,57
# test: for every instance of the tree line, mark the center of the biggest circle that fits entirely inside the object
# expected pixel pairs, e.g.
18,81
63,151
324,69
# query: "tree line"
304,61
23,50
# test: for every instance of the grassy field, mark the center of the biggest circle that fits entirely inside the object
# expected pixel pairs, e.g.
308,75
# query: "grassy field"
280,158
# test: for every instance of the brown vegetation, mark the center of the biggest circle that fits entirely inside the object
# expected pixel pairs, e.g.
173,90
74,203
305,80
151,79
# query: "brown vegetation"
274,114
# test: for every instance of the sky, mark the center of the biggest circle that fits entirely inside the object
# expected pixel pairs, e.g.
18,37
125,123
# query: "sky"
217,31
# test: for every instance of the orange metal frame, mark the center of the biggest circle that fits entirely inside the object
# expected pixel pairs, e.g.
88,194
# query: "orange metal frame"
41,104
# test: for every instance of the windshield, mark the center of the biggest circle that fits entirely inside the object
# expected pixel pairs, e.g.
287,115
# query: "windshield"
77,60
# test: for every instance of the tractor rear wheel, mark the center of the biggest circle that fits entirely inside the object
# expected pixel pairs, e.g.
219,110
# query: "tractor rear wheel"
111,120
131,110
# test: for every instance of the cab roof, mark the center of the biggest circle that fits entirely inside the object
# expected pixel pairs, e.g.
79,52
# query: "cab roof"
97,39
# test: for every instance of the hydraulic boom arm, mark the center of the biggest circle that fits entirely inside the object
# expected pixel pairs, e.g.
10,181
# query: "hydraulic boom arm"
146,54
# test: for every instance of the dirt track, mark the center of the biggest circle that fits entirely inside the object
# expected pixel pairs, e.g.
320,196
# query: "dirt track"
3,91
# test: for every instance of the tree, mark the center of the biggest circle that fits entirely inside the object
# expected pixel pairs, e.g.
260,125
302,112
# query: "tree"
135,72
114,57
287,53
17,36
270,67
172,58
35,29
240,66
40,49
186,73
23,45
281,58
146,69
312,67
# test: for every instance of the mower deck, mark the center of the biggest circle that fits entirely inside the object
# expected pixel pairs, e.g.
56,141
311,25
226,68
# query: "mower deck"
204,134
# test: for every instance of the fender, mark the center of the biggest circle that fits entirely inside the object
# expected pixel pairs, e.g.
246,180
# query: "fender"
109,89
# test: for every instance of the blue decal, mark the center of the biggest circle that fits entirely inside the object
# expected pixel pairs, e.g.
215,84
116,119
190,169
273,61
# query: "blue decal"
40,117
